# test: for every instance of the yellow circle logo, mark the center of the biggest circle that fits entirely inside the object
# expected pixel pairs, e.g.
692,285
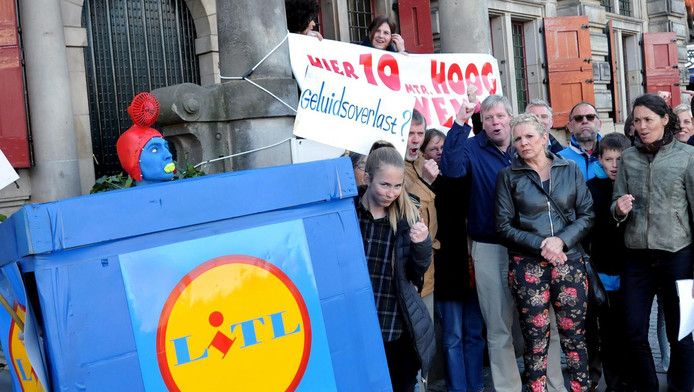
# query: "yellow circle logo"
234,323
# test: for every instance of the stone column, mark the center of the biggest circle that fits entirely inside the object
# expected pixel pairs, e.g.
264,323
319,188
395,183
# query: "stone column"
464,26
248,30
55,175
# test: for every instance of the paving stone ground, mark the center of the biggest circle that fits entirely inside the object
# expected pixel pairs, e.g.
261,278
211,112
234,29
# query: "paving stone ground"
439,385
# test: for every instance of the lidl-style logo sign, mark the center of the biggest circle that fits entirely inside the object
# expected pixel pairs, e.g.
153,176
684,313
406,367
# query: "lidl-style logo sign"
18,355
234,323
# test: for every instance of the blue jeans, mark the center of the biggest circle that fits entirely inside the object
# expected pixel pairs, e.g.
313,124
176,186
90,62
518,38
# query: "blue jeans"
463,343
646,272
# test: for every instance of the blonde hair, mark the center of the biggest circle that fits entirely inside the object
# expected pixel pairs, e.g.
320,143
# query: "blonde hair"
681,108
403,206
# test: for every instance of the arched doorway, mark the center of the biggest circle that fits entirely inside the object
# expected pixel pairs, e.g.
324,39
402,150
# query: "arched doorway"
133,46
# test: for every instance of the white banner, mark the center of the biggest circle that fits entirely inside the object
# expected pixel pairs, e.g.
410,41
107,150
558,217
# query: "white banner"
437,82
351,116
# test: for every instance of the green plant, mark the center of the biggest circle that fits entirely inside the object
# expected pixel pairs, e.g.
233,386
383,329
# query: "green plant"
2,217
111,183
121,181
185,169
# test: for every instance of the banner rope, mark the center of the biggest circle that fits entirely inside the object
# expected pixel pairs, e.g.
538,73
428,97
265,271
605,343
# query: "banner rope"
250,72
242,153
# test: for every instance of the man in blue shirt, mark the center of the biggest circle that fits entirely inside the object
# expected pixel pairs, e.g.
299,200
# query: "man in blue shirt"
480,159
584,125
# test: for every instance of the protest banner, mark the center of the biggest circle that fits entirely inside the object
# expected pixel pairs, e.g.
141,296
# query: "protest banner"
351,116
437,82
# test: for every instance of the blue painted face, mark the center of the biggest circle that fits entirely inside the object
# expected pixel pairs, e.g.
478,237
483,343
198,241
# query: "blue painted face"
155,161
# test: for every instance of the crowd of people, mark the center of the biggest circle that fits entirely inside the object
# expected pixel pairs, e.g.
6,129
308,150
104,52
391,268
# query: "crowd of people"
507,219
494,229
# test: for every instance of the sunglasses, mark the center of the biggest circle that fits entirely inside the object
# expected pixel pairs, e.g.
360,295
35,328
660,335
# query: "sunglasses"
579,117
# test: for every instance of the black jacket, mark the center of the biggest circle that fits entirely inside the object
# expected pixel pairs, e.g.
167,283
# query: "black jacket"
523,215
411,261
605,243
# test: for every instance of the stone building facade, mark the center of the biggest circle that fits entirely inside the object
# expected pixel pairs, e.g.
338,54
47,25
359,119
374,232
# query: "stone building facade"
55,43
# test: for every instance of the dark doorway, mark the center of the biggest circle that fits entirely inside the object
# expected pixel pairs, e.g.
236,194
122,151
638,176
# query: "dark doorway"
134,46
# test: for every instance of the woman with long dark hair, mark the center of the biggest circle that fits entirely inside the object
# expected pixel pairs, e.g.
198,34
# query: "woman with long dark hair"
383,35
652,197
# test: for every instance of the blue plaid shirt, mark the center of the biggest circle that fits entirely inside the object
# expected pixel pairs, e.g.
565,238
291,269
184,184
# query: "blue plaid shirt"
379,242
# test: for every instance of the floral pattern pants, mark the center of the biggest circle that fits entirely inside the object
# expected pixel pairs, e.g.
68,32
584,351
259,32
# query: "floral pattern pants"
535,283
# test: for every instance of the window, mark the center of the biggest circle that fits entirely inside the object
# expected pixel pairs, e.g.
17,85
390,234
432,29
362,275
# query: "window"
359,14
519,61
625,7
607,4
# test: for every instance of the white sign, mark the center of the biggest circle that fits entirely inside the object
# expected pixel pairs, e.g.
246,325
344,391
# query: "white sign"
7,173
351,116
437,82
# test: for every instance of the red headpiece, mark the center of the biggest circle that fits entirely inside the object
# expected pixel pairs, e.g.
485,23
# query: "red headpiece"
144,111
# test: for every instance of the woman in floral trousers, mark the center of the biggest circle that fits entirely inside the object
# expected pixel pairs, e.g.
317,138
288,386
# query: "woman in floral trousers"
545,267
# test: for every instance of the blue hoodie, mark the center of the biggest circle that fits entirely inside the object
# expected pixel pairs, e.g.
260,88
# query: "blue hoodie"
577,154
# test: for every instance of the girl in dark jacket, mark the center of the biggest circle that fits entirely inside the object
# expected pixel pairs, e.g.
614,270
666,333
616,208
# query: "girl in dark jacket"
546,266
398,252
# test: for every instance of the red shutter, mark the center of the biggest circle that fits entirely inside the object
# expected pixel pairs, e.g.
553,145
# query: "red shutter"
415,25
660,62
13,125
614,85
569,64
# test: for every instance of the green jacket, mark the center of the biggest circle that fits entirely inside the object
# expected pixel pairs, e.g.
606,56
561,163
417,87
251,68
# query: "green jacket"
660,215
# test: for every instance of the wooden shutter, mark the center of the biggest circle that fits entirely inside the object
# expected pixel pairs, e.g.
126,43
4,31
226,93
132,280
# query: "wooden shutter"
569,68
660,63
614,84
13,124
415,25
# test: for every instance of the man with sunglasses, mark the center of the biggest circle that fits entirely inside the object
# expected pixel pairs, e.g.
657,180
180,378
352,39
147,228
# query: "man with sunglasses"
584,125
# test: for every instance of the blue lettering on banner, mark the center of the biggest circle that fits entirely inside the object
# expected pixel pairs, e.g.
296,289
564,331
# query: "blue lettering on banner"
330,105
182,352
22,371
248,331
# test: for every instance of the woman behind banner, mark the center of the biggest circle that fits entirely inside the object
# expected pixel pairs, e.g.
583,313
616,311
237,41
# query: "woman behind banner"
381,35
652,195
545,263
398,252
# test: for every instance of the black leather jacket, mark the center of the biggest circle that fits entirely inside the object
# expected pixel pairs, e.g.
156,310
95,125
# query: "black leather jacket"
524,216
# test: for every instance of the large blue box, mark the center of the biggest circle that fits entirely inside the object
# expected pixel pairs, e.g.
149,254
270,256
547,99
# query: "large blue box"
271,258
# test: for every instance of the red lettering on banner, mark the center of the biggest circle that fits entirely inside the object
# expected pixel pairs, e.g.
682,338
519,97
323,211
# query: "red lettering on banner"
471,70
455,79
332,65
392,80
489,83
438,77
325,62
349,70
314,62
421,104
365,60
456,105
439,106
412,88
424,90
336,69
